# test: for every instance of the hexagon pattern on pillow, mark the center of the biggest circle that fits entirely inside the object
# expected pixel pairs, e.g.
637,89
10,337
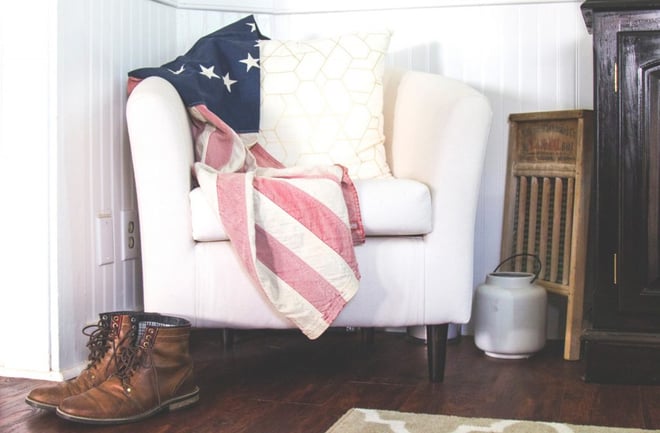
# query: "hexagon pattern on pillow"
322,102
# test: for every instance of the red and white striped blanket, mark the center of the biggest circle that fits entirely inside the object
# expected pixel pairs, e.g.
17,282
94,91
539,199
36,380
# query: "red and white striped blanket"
293,228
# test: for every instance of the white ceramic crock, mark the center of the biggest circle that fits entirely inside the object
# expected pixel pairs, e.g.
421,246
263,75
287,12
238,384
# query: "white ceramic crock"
510,315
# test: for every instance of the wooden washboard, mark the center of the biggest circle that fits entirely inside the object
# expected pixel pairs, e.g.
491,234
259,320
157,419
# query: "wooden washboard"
546,205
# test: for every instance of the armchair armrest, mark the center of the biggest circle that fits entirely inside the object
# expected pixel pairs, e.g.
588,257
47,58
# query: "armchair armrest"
438,136
162,152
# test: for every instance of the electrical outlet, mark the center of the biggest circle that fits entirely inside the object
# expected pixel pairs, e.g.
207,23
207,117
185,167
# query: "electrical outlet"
130,235
105,245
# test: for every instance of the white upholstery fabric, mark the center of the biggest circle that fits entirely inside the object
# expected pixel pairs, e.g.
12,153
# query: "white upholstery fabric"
395,207
389,207
436,131
206,223
226,298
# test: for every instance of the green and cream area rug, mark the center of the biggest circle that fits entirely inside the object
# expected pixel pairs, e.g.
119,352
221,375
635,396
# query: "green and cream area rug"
383,421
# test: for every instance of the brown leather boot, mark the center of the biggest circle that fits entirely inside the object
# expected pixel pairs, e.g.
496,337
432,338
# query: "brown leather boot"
154,374
105,338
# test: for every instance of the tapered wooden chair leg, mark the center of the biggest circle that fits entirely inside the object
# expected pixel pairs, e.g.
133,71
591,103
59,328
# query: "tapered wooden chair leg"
367,335
436,346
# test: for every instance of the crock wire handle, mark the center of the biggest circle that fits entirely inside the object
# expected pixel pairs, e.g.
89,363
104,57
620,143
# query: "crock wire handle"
537,268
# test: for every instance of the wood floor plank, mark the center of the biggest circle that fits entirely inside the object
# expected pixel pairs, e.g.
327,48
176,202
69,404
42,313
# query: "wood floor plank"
618,405
282,382
651,405
577,402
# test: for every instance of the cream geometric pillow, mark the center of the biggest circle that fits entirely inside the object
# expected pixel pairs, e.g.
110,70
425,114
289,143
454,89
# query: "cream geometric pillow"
322,102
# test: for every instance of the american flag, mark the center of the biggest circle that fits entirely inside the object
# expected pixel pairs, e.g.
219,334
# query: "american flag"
221,71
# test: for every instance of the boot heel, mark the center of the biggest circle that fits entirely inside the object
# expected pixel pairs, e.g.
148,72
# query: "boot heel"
184,401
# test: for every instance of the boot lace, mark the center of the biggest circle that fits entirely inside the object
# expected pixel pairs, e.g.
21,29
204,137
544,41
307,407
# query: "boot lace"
99,342
129,359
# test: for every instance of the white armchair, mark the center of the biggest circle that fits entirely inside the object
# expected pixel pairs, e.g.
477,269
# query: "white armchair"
416,263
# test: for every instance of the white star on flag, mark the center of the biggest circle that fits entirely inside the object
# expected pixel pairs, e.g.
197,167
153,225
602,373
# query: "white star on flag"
208,72
253,26
250,62
228,81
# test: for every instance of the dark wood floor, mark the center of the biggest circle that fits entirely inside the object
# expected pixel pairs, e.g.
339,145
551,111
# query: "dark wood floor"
281,382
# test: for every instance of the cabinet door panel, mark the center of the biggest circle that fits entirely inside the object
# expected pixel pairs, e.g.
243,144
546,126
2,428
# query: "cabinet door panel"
638,274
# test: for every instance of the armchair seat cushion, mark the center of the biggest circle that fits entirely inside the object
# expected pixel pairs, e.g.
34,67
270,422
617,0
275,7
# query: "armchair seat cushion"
389,207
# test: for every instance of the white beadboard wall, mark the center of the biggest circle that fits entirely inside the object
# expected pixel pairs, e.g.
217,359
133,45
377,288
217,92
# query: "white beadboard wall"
524,55
99,41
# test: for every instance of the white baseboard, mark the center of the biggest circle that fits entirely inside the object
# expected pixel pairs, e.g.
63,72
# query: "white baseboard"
54,376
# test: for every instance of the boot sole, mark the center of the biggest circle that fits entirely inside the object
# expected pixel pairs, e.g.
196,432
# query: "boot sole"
40,405
172,404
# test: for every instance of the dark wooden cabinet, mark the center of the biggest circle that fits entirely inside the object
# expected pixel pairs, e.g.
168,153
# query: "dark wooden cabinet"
622,344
